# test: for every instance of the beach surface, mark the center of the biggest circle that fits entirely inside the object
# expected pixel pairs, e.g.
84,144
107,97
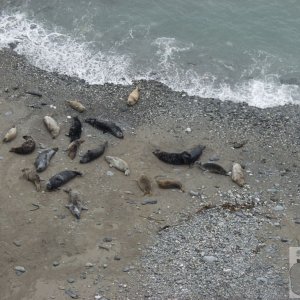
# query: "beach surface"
122,248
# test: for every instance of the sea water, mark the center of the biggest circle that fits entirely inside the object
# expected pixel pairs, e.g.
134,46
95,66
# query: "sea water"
238,50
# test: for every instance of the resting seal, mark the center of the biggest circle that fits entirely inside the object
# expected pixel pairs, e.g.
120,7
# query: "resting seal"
134,96
73,147
214,168
75,129
144,184
42,161
75,203
184,158
169,183
33,177
26,148
52,126
61,178
106,126
237,174
10,135
90,155
118,163
76,105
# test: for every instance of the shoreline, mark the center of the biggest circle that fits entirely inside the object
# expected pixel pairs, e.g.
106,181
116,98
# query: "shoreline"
115,210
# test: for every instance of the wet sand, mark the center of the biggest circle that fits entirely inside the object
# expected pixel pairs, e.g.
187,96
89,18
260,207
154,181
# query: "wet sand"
37,239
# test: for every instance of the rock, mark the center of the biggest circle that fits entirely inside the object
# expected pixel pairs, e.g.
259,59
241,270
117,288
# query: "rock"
278,208
188,130
105,266
8,113
194,193
55,263
210,259
71,280
89,265
107,240
72,294
214,158
148,201
20,269
127,269
109,173
17,243
116,257
262,280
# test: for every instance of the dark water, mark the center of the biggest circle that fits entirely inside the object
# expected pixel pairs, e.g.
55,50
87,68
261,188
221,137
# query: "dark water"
232,50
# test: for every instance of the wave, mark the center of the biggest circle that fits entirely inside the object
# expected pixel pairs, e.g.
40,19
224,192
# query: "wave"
55,51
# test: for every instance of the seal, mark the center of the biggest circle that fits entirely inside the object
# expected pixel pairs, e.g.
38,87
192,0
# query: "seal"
237,174
10,135
118,163
75,129
106,126
33,177
43,159
169,183
52,126
73,147
91,155
213,168
144,184
134,96
61,178
75,204
187,157
75,104
26,148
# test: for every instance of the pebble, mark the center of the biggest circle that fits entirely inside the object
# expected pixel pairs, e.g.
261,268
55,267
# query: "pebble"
148,201
262,280
107,240
1,157
72,294
214,158
20,269
109,173
127,269
55,263
105,266
188,130
210,258
17,243
89,265
71,280
278,208
193,193
8,113
117,257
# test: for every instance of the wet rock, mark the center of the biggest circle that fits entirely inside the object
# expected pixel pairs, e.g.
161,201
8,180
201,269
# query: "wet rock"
20,270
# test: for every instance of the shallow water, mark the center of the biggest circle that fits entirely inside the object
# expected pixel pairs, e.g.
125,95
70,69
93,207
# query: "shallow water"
222,49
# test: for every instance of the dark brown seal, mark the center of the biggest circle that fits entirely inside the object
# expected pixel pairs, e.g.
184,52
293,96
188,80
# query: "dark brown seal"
144,184
32,176
187,157
169,183
75,129
26,148
214,168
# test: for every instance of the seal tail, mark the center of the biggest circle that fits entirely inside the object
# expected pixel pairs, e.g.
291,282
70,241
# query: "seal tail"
78,173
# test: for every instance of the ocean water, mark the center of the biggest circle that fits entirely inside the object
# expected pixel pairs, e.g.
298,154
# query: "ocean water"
232,50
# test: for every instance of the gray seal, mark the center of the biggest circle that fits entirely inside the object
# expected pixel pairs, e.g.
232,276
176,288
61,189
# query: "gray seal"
42,161
61,178
213,168
106,126
91,155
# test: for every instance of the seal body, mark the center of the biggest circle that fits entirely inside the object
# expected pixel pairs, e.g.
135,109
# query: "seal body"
33,177
52,126
90,155
134,96
214,168
61,178
118,163
144,184
76,105
75,129
237,174
75,204
184,158
169,183
106,126
73,148
26,148
42,161
10,135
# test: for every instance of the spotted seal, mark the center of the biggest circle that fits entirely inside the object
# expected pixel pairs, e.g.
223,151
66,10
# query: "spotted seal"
106,126
90,155
187,157
10,135
43,159
144,184
26,148
61,178
73,148
75,129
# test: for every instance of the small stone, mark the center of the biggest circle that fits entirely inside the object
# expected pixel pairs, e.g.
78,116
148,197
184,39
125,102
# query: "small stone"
278,208
214,158
188,130
107,240
127,269
109,173
20,269
8,113
89,265
210,259
1,157
262,280
284,240
83,275
116,257
55,263
148,201
71,280
194,193
72,294
17,243
105,266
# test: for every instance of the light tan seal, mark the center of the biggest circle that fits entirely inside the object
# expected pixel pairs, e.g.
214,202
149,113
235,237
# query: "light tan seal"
134,96
144,184
10,135
75,104
32,176
169,183
118,163
52,126
237,174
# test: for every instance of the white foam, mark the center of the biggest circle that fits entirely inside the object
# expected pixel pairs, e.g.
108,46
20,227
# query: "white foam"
52,50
